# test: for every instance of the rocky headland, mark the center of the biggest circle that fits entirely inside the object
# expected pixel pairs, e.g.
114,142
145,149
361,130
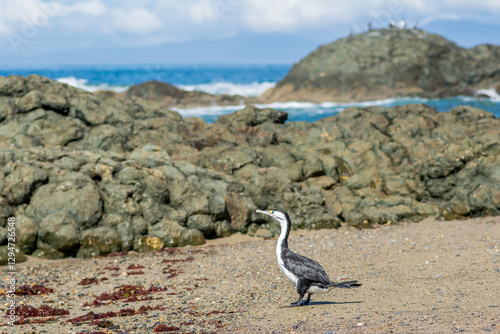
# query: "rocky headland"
388,63
88,175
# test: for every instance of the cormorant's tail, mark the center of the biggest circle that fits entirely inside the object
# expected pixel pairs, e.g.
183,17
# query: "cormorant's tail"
346,285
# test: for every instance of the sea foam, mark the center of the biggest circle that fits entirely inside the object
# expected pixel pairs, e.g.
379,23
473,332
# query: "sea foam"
83,84
248,90
491,93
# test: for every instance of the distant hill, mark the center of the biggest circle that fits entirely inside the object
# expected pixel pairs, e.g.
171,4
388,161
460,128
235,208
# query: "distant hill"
250,49
387,63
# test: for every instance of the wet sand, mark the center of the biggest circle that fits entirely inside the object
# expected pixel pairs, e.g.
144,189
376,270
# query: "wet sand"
427,277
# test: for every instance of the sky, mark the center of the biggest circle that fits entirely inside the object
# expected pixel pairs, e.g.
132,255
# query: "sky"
30,28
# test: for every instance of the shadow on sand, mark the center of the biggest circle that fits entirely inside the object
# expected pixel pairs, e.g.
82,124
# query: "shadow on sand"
325,303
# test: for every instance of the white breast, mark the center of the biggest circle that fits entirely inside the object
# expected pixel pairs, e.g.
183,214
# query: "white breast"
315,289
291,276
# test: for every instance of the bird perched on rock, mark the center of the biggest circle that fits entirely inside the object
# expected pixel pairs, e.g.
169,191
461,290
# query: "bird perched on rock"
308,275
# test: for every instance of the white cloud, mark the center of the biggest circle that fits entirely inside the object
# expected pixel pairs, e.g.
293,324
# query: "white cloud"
202,11
14,14
286,15
136,21
171,6
296,15
17,15
93,8
430,19
126,22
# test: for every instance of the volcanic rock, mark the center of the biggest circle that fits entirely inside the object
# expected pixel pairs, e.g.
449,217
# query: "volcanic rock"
387,63
165,181
168,96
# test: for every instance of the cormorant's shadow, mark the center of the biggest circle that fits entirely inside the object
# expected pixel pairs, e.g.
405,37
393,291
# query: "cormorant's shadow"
324,303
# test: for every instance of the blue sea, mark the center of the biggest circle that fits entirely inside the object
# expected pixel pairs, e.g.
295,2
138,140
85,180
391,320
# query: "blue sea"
246,80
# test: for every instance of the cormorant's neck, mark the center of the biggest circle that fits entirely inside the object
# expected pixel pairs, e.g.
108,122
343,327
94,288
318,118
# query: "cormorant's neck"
285,232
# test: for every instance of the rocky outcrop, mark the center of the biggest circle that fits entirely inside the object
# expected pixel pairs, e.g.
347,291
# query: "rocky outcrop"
169,96
140,177
389,63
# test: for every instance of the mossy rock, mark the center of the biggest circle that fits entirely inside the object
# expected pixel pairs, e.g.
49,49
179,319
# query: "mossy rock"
99,241
46,251
7,254
147,243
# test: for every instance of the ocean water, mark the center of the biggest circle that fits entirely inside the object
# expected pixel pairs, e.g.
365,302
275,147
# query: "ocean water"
246,80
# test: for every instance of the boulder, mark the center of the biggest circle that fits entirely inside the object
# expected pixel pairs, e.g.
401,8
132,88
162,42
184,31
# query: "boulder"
174,235
192,237
203,223
45,251
277,156
54,129
26,234
148,244
60,231
99,241
222,229
168,231
8,255
3,235
167,95
252,116
22,182
12,86
313,167
239,211
188,197
81,200
6,211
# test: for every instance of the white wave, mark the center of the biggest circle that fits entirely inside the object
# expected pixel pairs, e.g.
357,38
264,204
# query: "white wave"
207,111
491,93
83,84
327,105
249,90
289,105
293,107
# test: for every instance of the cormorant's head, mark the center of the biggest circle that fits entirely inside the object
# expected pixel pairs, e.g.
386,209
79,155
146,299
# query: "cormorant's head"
279,215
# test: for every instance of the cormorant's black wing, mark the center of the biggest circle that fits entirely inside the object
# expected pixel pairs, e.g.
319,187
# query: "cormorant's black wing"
305,267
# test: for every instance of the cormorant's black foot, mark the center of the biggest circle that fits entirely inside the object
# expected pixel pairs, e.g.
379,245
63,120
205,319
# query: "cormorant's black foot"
297,303
300,302
306,302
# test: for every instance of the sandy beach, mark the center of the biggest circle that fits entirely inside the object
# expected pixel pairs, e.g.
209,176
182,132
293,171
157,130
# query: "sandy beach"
427,277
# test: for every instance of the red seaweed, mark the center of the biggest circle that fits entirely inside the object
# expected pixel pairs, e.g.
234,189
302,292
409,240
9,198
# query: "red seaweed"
164,328
35,289
90,316
25,321
135,266
27,311
102,323
140,272
172,272
188,259
91,280
112,268
128,292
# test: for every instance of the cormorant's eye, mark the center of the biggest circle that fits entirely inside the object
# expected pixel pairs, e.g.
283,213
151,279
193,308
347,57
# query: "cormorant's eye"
271,211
